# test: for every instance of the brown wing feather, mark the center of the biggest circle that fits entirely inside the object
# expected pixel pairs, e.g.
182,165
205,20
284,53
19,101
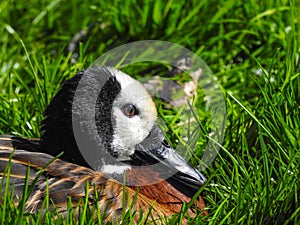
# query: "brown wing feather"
69,180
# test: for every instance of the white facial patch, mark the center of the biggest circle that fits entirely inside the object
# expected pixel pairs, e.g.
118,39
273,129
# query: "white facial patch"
130,131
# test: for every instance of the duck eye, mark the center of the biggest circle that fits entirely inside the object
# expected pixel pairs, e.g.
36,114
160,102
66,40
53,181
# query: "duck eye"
130,110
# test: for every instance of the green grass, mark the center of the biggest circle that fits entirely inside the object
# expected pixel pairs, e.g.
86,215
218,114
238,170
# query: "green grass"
252,48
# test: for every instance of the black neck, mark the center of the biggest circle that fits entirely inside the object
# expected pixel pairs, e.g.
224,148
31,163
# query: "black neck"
57,127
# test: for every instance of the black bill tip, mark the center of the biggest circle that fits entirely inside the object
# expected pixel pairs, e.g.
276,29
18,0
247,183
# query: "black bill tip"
156,149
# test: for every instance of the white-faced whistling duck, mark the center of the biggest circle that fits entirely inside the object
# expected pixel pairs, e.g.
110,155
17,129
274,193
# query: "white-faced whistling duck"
113,117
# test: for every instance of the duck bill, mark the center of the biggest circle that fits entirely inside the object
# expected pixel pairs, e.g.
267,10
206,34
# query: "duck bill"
155,149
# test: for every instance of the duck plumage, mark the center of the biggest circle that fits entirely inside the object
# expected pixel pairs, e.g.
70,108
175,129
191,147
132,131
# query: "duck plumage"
67,175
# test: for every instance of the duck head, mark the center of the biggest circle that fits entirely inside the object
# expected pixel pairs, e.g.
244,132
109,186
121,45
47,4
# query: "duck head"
104,119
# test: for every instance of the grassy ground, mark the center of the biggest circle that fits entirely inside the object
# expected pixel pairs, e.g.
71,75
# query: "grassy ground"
252,47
